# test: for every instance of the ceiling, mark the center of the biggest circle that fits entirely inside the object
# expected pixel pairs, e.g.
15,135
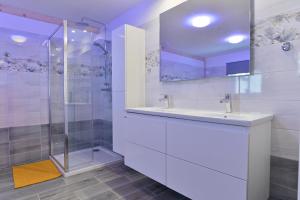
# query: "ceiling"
178,36
21,24
101,10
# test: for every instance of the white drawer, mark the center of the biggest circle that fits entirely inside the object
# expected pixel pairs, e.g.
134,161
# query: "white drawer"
146,161
147,131
220,147
199,183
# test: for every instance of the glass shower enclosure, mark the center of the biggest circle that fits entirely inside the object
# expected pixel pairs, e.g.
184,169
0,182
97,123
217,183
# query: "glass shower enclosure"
80,98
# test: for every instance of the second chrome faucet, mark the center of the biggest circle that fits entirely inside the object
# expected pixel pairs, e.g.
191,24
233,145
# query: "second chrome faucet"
228,102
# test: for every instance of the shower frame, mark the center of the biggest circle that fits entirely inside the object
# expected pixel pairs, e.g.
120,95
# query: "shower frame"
65,163
65,166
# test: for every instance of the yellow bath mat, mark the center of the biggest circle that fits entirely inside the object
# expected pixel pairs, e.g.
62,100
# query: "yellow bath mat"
29,174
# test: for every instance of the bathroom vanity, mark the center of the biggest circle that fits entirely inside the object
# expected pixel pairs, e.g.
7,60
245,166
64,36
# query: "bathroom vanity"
202,155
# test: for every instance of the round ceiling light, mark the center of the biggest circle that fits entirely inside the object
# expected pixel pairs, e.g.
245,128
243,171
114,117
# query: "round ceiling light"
235,39
18,38
201,21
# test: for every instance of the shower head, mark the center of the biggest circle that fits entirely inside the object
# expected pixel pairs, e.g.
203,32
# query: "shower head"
92,25
84,19
82,24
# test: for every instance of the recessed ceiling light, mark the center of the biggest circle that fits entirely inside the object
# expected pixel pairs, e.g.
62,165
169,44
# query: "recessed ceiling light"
18,38
201,21
235,39
84,31
73,31
72,40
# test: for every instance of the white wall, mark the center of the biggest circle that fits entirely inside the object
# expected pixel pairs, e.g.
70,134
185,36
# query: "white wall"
274,87
145,12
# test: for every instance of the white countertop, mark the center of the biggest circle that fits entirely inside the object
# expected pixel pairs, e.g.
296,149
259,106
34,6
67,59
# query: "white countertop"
238,119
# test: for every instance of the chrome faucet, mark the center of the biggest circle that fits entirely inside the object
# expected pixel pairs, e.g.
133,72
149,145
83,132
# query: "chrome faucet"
228,102
166,99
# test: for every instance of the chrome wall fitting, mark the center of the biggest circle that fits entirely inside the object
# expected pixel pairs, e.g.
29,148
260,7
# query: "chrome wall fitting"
286,46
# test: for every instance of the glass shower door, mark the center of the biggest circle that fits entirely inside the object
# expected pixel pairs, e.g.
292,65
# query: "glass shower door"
80,99
78,85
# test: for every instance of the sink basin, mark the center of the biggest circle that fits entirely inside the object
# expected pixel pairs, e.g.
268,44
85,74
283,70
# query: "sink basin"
240,119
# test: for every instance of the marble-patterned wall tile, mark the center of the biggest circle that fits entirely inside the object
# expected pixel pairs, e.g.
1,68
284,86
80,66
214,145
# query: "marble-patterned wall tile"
277,29
278,61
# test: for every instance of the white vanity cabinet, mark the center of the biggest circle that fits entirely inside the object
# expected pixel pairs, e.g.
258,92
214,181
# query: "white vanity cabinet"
201,160
220,147
145,145
218,161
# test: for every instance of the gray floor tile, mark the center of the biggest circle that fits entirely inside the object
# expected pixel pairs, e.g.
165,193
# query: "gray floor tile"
155,188
67,190
6,183
92,191
107,176
283,193
126,190
139,195
284,172
34,197
170,195
117,182
32,190
144,182
108,195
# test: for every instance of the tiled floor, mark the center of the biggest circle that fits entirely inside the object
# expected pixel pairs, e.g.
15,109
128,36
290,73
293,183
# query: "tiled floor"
116,182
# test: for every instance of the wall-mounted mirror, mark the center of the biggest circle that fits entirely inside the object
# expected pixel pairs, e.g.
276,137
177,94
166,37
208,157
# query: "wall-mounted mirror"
205,38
